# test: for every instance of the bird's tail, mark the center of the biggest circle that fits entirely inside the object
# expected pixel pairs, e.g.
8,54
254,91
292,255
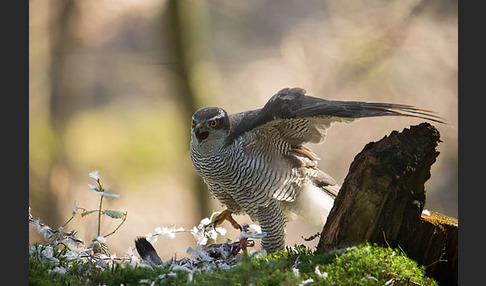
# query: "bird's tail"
313,204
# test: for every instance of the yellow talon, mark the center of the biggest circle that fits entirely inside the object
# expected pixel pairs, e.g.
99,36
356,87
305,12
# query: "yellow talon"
219,218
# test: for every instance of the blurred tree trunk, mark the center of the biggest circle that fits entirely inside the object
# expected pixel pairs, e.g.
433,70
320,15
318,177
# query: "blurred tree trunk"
60,107
61,103
190,42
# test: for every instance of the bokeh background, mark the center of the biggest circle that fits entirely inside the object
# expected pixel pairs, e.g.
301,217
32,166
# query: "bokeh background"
113,84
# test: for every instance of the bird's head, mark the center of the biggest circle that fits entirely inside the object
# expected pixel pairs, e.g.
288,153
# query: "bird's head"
209,127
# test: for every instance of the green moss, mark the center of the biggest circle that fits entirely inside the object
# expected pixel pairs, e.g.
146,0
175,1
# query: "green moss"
372,265
359,265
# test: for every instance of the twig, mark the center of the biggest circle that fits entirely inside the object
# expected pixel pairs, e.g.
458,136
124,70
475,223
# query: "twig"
384,238
99,217
62,227
74,214
312,237
99,211
124,219
440,260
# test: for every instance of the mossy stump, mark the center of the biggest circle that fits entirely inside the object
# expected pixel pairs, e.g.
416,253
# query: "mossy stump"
382,199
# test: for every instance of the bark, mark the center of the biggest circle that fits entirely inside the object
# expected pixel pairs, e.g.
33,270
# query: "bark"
382,199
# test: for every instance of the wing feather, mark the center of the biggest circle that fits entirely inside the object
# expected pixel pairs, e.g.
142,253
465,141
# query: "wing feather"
301,118
290,119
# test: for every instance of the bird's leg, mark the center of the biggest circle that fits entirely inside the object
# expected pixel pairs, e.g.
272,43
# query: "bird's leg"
221,217
273,224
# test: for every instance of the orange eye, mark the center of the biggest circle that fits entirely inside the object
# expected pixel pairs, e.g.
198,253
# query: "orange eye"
193,123
214,123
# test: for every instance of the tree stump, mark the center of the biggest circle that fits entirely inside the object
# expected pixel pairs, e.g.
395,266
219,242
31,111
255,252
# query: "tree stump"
382,199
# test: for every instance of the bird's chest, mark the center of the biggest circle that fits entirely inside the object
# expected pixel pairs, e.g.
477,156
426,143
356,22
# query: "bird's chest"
245,178
242,173
226,171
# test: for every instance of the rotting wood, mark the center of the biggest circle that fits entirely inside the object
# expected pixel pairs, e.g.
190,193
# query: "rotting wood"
382,199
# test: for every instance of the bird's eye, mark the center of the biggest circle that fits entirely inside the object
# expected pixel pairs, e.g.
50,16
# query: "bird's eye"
193,123
213,123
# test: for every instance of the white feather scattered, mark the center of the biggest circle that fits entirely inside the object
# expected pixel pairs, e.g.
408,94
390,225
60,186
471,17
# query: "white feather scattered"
318,273
310,280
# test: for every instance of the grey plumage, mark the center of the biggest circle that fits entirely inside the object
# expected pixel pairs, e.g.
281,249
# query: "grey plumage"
254,162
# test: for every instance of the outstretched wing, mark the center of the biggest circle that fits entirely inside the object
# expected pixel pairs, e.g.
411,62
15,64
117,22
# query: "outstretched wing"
298,118
290,119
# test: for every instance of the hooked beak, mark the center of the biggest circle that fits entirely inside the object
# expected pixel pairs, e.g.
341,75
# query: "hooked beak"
201,134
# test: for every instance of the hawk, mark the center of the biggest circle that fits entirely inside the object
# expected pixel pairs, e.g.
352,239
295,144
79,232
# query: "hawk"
255,162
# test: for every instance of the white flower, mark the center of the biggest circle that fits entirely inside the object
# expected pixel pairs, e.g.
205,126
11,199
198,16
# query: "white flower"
129,252
204,232
133,258
94,175
152,238
221,230
296,272
101,239
212,234
205,221
168,232
109,194
199,235
93,187
103,192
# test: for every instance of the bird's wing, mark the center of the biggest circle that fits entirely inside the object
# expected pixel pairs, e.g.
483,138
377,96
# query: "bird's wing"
299,118
290,118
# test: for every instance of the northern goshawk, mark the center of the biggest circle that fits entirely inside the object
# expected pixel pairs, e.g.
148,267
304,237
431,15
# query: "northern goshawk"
255,162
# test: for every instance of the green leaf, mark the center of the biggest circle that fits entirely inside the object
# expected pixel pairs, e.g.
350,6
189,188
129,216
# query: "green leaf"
114,214
88,212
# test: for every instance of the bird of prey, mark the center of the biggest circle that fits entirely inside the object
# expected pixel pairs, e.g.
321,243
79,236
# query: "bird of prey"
255,162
